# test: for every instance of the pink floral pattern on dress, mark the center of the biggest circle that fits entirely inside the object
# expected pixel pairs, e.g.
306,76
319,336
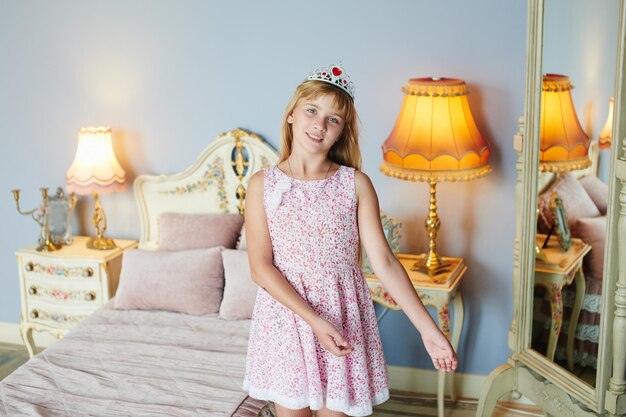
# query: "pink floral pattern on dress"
315,241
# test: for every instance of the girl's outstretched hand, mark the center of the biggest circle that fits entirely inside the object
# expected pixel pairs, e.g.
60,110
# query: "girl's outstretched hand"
330,338
440,351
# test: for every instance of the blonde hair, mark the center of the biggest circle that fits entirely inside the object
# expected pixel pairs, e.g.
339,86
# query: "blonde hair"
346,150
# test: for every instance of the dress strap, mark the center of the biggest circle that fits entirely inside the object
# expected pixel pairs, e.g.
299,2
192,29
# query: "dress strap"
268,183
347,179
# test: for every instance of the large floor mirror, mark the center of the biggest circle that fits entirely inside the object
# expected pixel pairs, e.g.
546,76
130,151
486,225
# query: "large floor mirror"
568,336
578,62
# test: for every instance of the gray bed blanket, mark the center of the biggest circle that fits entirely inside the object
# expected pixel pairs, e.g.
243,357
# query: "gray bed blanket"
135,363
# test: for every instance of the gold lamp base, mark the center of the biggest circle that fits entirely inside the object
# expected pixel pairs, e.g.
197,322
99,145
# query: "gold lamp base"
540,254
431,263
427,265
101,243
100,222
48,247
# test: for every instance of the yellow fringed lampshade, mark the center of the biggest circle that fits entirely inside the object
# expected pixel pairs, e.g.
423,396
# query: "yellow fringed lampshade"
435,139
604,139
95,168
435,135
564,146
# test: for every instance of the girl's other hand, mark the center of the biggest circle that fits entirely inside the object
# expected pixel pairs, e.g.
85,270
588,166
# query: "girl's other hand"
330,338
440,351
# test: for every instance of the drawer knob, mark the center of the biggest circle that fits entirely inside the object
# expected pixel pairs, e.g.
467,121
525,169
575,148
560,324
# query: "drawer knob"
30,266
34,314
32,290
90,296
88,272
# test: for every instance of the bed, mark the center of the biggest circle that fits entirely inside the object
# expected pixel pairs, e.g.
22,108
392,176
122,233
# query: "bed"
154,362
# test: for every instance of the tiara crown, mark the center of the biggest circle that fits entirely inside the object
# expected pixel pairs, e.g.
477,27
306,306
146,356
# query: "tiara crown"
334,75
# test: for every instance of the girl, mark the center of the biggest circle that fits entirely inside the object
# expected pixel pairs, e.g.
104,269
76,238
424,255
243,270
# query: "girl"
314,341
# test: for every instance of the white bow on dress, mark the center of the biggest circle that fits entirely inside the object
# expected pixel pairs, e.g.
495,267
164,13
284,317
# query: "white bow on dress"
275,197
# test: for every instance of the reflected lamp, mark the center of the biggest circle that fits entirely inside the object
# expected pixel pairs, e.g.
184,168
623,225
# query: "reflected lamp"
564,145
604,139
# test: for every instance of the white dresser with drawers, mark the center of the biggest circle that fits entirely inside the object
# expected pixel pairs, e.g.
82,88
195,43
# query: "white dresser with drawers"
60,288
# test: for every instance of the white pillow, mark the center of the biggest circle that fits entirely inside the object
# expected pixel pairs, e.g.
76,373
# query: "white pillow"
239,289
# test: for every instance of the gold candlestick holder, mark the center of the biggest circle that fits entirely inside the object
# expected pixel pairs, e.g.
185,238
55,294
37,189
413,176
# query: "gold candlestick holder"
38,214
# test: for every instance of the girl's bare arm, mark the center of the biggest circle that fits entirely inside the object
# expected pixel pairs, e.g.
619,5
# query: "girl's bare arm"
394,278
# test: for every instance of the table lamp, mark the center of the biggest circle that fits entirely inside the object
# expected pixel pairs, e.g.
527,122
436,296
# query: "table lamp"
95,170
604,140
564,145
435,139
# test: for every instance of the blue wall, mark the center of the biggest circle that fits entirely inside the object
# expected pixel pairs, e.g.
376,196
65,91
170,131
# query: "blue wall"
170,76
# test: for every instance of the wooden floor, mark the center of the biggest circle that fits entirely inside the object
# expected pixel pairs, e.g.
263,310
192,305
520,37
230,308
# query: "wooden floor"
401,404
410,404
11,357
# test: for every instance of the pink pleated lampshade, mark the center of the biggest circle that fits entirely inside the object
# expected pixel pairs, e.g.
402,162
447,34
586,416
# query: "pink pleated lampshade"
95,168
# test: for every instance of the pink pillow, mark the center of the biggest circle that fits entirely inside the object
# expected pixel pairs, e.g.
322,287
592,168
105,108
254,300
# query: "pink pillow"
189,282
576,202
593,231
597,190
239,289
179,231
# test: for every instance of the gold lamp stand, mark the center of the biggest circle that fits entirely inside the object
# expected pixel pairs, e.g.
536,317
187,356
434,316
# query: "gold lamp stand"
435,139
100,222
431,263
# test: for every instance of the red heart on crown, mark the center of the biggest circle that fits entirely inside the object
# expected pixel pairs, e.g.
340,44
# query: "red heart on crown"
336,72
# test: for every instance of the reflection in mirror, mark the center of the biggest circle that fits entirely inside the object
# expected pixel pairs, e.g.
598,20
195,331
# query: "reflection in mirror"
580,40
606,134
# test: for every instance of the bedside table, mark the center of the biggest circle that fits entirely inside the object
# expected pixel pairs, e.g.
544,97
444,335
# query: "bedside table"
560,270
59,289
437,294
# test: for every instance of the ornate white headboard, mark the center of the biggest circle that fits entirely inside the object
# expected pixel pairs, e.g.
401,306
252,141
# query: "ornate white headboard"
215,183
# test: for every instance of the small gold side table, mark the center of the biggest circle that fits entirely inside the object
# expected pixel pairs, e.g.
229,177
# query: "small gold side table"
436,294
560,270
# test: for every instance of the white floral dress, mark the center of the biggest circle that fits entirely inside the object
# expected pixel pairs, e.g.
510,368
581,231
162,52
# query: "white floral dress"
315,241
